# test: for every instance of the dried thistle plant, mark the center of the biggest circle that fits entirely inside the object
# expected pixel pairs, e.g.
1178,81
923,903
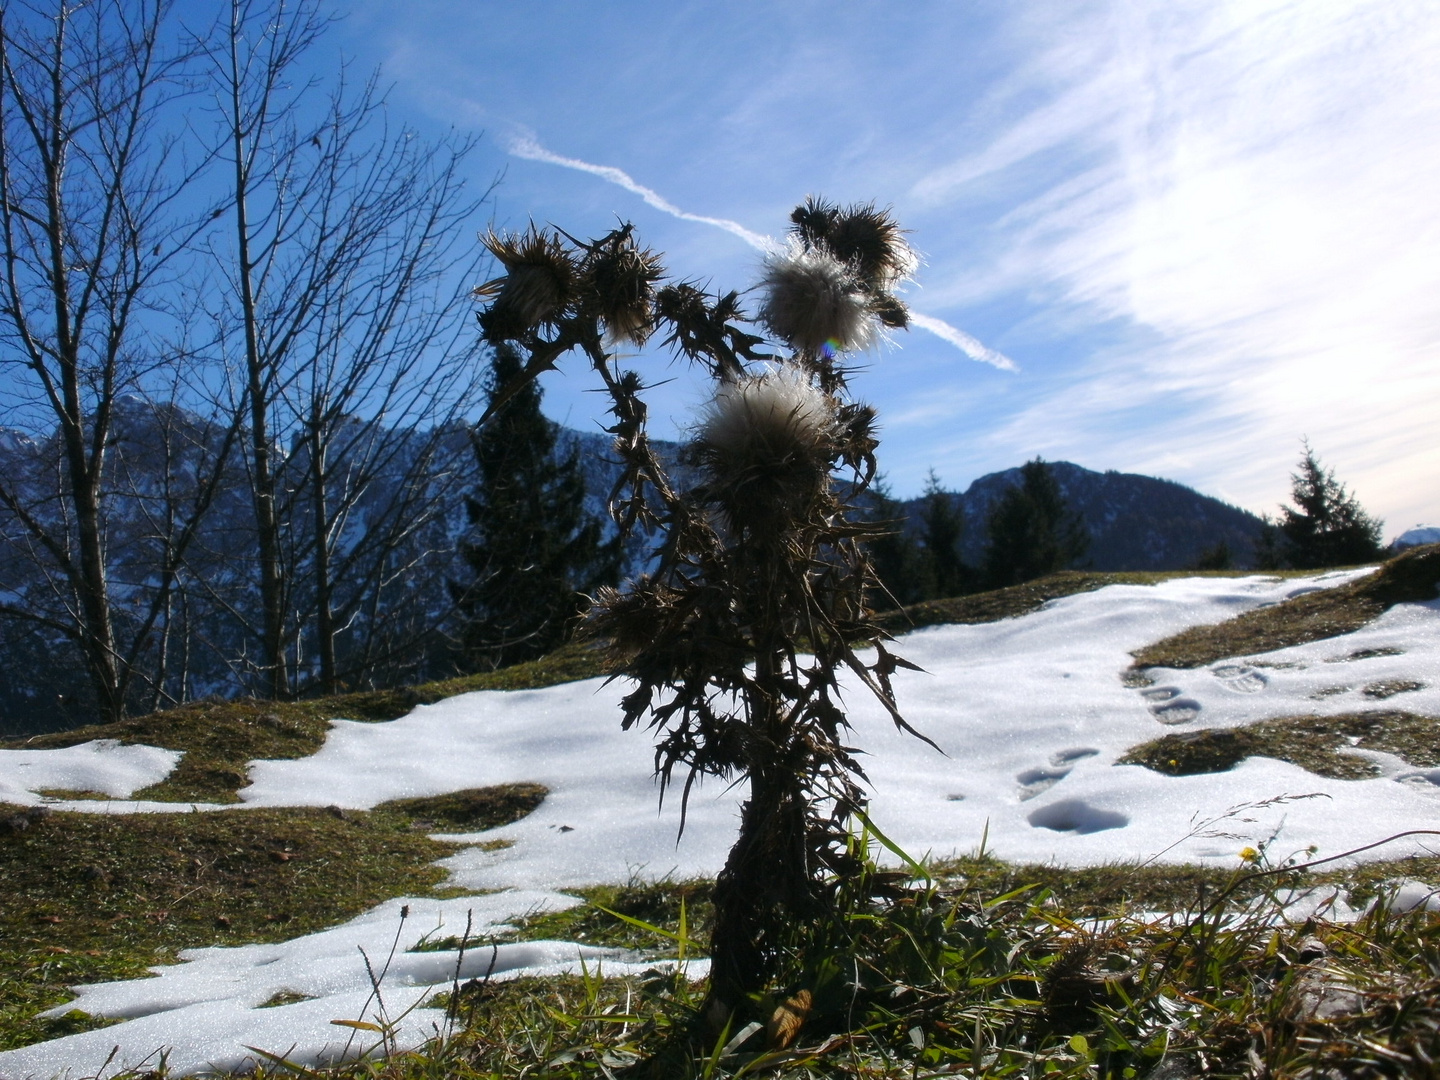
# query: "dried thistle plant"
619,279
737,643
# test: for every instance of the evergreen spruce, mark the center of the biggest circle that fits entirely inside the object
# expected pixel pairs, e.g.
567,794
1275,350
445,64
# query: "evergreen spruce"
1032,532
1327,526
534,551
946,572
1267,545
1216,557
894,555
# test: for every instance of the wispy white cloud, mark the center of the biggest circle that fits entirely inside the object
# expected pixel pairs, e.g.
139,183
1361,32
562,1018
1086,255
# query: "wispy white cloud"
529,148
1208,227
1250,187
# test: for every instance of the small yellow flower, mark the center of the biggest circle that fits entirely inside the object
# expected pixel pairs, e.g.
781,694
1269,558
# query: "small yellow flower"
1250,855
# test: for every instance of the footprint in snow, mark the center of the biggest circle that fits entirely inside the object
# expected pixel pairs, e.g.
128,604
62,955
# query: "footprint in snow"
1239,678
1169,707
1424,779
1036,781
1077,816
1073,754
1179,711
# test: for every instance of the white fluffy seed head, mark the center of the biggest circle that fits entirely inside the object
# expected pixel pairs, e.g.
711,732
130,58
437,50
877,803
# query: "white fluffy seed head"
765,445
778,415
815,302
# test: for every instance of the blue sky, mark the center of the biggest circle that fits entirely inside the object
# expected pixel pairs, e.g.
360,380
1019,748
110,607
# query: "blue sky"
1184,235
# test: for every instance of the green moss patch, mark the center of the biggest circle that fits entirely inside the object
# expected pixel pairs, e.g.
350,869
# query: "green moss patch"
95,897
471,810
1312,742
284,997
1412,577
1388,688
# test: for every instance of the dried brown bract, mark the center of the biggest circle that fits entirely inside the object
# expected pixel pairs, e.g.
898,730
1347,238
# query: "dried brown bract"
539,283
619,279
863,236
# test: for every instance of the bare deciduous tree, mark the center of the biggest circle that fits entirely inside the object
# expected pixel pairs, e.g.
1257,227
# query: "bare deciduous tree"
89,234
342,300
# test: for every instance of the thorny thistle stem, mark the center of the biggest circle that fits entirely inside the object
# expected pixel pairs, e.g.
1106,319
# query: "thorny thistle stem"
736,643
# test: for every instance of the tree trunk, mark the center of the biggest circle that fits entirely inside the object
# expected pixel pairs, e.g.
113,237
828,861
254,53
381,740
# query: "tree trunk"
258,374
324,586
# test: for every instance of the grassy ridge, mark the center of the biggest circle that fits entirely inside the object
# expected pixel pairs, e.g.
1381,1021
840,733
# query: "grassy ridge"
1412,577
1016,600
219,738
1312,742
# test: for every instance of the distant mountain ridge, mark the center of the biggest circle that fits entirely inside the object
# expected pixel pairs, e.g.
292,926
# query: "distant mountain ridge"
1134,522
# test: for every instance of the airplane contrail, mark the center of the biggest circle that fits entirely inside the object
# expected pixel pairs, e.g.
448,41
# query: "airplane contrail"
529,148
971,346
524,146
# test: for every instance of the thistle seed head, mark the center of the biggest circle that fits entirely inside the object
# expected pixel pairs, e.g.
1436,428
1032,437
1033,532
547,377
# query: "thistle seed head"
539,283
620,280
779,414
815,302
765,444
863,237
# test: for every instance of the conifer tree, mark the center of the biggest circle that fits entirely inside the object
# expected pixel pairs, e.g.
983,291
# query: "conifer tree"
1267,545
534,551
945,570
894,555
1217,556
1032,531
1327,526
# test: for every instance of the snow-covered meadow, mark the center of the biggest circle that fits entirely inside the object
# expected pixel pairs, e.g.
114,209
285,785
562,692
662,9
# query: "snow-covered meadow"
1031,714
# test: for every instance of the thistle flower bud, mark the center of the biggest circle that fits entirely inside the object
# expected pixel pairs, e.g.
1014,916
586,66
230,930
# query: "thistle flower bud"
539,283
765,444
814,302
